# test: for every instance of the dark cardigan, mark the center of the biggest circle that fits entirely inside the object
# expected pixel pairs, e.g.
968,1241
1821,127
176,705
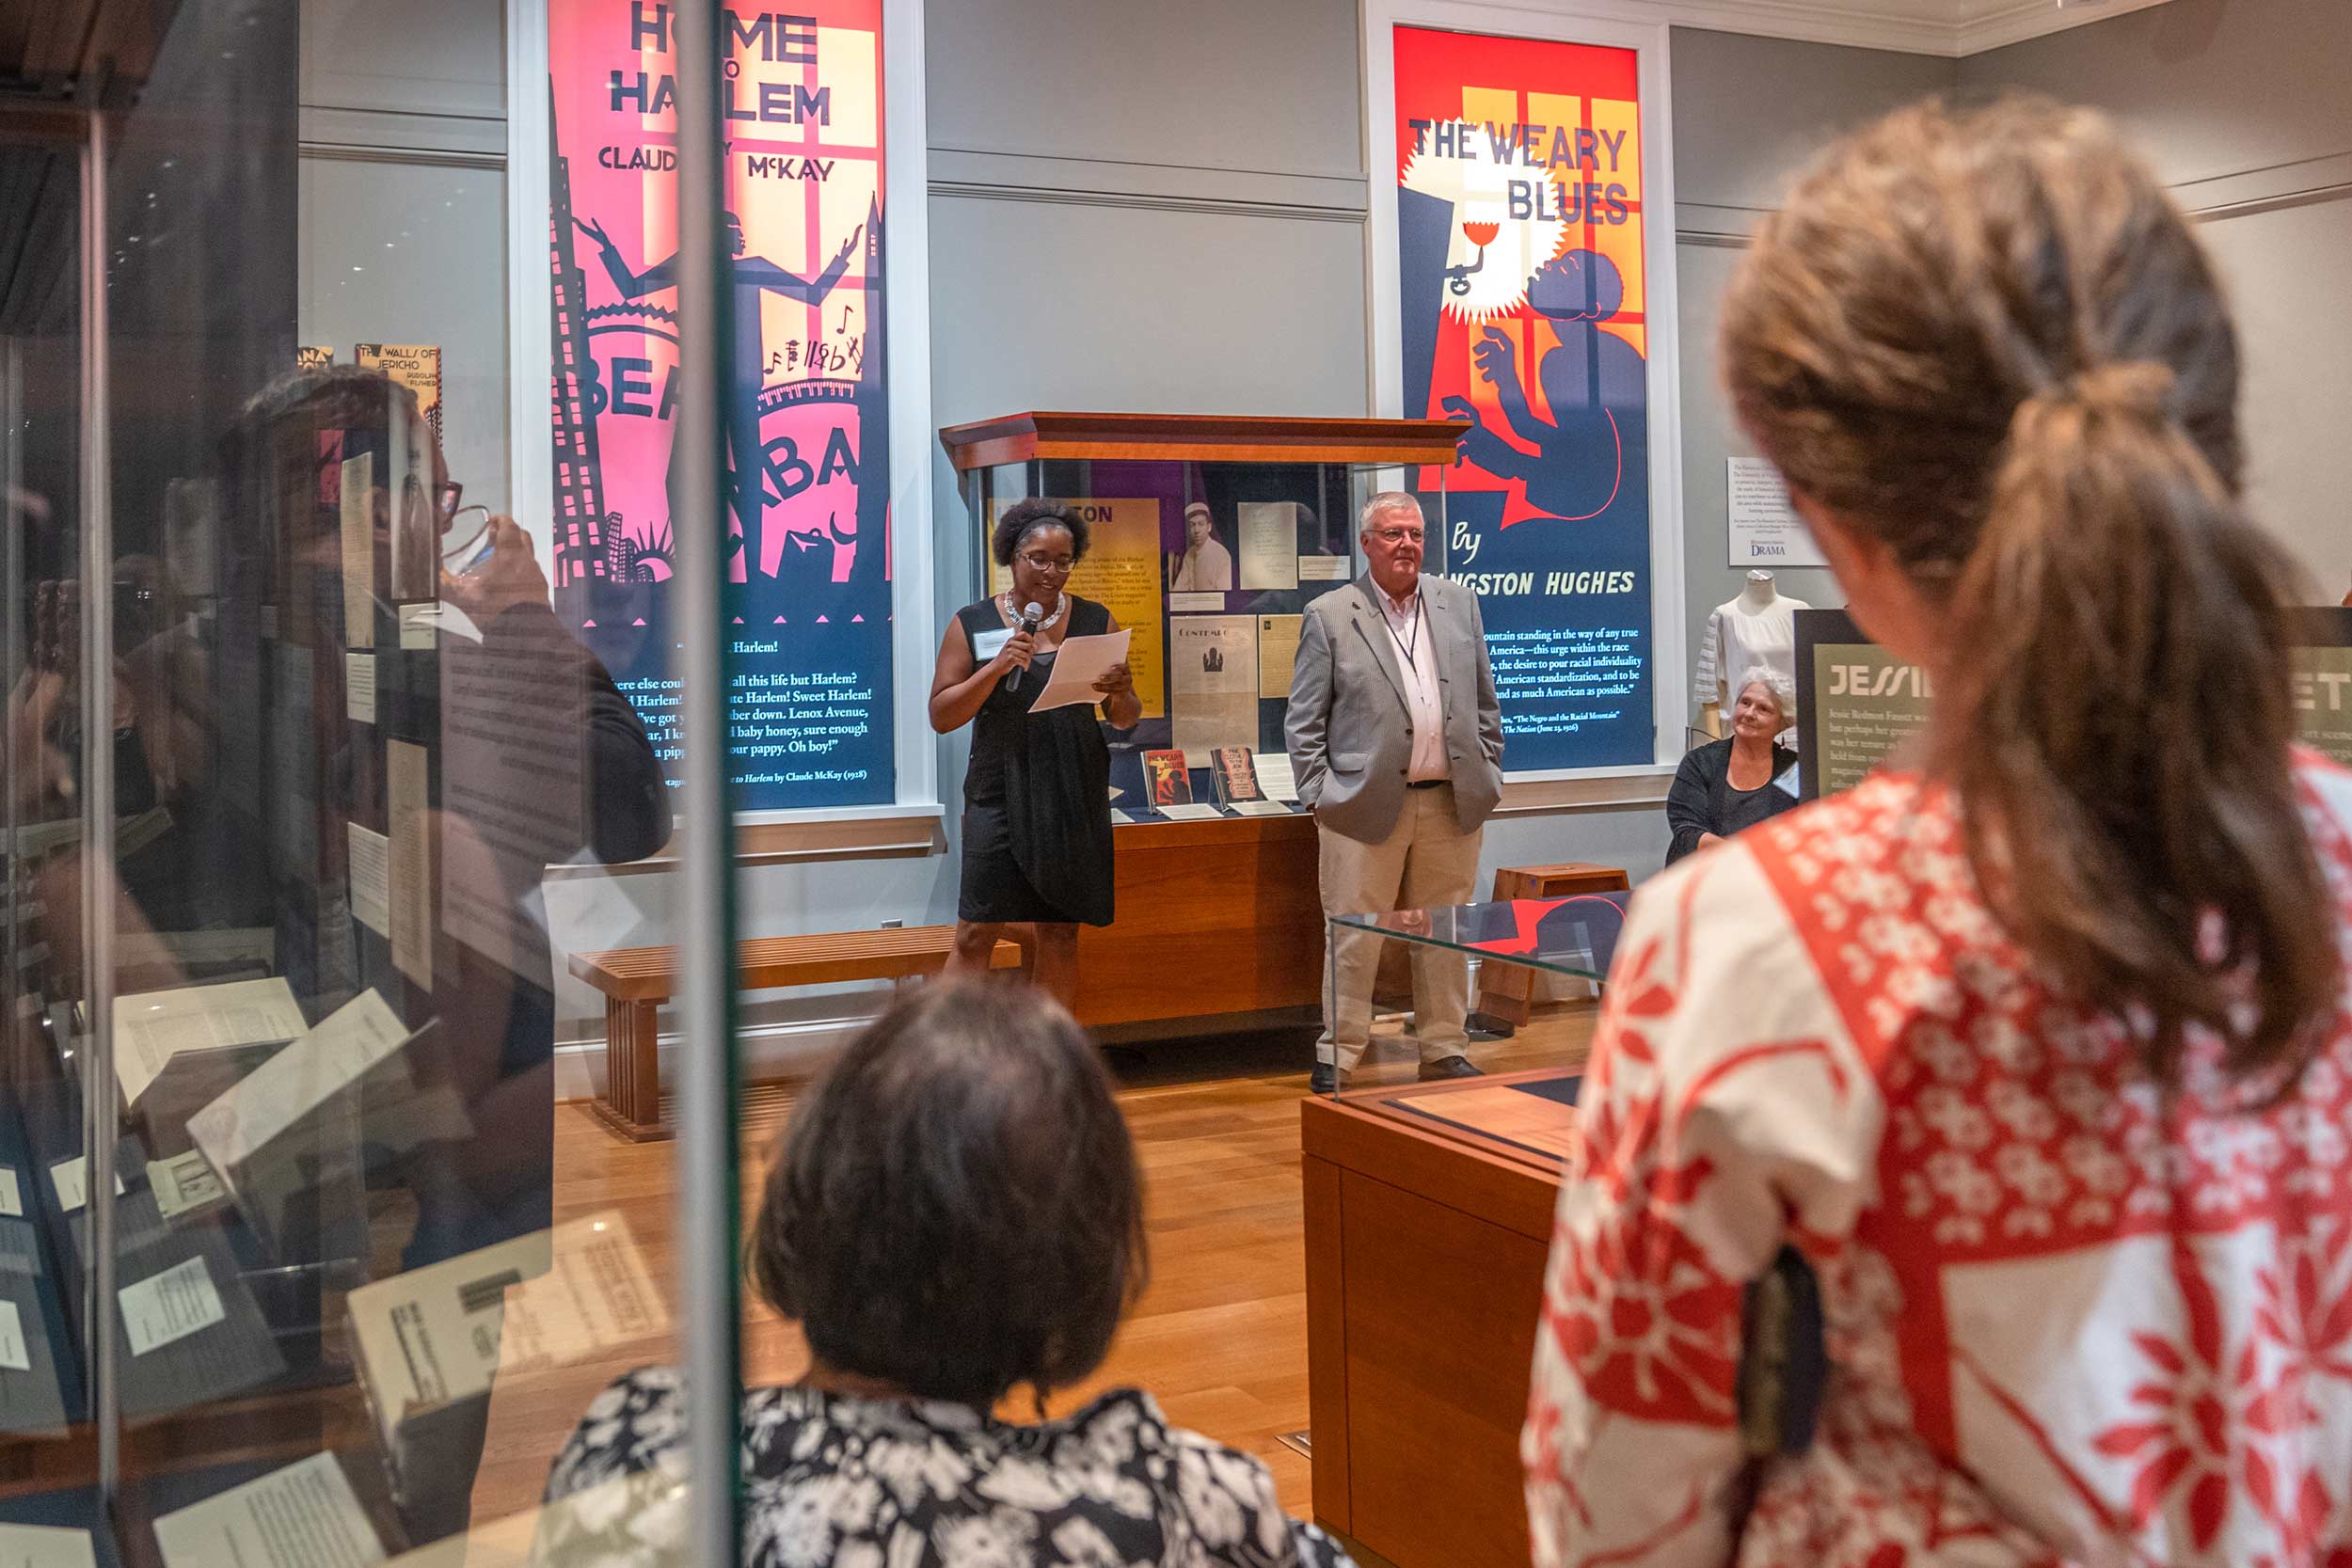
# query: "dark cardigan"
1703,801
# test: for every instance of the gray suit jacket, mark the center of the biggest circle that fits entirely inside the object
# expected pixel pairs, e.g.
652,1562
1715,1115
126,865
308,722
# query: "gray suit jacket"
1349,732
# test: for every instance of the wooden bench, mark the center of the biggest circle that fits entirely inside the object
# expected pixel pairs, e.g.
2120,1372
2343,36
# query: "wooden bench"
635,981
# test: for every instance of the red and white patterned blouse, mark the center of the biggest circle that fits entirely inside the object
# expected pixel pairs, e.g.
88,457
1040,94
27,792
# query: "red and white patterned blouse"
2068,1321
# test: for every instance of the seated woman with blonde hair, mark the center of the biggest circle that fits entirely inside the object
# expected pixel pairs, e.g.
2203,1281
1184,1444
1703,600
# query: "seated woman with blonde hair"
955,1212
1728,784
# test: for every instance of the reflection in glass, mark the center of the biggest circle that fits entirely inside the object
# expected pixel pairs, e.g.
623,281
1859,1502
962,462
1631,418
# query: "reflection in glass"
1411,986
302,975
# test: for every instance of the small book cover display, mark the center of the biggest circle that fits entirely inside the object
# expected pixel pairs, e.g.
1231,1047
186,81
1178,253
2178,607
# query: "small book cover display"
1236,776
1169,780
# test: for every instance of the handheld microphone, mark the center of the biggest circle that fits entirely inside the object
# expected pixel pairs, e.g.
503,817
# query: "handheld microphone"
1030,614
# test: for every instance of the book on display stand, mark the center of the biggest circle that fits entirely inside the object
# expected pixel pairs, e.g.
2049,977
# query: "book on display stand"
1167,781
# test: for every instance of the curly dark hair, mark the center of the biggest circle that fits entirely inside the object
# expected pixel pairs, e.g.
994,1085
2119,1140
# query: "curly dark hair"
955,1209
1023,516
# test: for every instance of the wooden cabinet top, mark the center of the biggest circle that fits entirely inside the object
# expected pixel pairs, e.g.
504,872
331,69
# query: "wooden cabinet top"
1196,438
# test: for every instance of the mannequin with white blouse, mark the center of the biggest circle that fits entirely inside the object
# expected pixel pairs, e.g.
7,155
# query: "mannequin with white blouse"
1758,628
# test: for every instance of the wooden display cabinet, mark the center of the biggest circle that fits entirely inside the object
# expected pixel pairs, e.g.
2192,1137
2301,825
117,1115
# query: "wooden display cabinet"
1218,920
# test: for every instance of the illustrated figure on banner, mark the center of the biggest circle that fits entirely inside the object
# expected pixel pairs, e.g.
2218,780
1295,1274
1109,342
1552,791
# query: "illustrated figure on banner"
1594,382
755,276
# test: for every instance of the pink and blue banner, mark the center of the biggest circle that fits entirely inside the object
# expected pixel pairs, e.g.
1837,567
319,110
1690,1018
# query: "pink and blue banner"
806,416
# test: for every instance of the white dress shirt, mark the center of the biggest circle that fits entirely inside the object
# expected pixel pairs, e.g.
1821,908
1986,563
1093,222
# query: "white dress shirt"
1411,640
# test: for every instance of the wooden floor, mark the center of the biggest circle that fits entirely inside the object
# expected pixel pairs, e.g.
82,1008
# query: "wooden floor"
1220,1335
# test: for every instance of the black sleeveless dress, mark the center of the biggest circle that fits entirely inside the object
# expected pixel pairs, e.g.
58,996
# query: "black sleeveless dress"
1036,812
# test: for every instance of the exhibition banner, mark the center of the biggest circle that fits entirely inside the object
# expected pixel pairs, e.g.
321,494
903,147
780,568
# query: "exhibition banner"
1857,703
807,415
1525,308
2321,692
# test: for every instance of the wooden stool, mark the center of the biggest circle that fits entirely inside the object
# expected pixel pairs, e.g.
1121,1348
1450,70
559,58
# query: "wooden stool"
636,980
1505,991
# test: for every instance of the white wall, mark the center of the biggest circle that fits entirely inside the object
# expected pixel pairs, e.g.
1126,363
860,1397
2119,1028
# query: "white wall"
2290,275
415,253
1749,113
404,203
2245,108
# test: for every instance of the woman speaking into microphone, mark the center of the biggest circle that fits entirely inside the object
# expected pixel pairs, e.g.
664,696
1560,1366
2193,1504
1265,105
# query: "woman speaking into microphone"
1037,814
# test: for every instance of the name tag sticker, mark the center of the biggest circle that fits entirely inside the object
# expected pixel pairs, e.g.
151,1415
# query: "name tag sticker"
989,645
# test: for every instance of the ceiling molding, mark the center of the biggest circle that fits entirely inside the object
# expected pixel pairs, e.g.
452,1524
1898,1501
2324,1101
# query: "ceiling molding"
1997,23
1947,28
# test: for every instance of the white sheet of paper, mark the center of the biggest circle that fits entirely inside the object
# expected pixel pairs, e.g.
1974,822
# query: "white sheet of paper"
569,1296
410,857
168,1306
151,1027
359,686
1179,603
1277,777
1324,568
346,1045
1213,684
1261,808
1196,812
1120,820
72,1179
303,1516
420,622
1277,656
1765,529
12,1194
1081,662
358,520
46,1546
16,1356
183,1183
1269,543
370,859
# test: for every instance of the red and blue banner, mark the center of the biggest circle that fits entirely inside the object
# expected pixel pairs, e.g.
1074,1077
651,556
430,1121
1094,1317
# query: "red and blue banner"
807,415
1524,305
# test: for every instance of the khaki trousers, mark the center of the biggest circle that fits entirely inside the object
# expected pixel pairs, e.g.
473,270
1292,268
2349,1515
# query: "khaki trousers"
1427,862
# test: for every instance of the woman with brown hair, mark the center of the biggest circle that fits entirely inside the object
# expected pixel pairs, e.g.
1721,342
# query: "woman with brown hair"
2039,1058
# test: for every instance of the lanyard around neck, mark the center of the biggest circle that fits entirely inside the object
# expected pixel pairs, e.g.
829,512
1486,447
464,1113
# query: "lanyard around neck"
1407,649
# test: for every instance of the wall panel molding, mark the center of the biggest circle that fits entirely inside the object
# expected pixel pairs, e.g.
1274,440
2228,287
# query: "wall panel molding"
390,134
1950,29
2301,183
2212,200
1016,176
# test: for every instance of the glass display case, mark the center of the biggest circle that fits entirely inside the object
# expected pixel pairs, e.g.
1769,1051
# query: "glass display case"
1417,991
1209,537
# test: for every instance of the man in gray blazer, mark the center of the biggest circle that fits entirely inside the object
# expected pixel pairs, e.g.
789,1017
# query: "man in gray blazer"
1397,743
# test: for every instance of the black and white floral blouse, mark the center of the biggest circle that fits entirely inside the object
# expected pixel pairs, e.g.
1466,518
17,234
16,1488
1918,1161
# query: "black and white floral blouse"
838,1482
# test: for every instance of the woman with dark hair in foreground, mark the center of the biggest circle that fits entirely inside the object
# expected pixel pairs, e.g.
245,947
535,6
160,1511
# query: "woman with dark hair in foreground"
2038,1055
955,1212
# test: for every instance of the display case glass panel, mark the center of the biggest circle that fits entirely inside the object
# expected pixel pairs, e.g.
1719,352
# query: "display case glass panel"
1209,561
1509,987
